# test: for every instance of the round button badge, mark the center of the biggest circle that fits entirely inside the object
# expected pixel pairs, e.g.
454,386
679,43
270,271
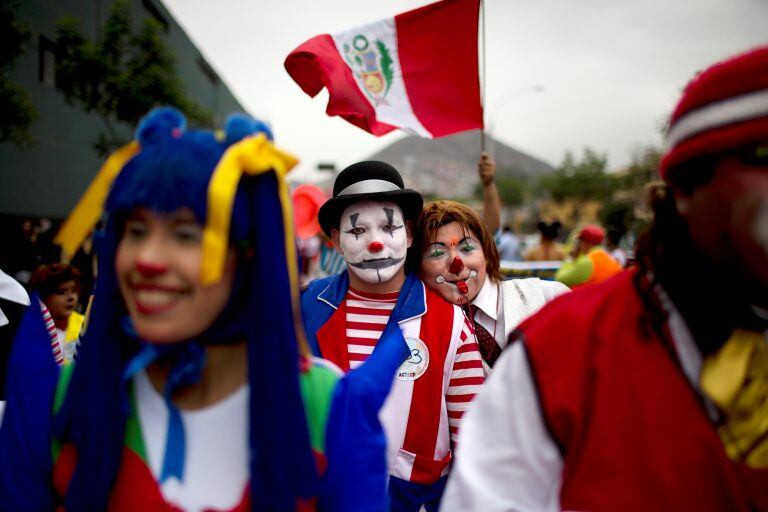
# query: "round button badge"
415,366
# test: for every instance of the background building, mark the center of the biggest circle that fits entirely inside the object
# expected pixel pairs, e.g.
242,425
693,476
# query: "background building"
47,178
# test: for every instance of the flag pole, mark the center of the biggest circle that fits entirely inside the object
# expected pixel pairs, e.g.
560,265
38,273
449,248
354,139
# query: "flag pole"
482,85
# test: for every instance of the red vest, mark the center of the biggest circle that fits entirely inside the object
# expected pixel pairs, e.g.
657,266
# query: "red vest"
633,432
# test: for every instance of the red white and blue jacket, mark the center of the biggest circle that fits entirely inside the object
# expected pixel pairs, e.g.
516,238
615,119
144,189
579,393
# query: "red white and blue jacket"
415,415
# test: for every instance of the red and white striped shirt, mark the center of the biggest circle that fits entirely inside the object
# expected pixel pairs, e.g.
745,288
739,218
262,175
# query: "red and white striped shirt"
50,326
467,377
368,314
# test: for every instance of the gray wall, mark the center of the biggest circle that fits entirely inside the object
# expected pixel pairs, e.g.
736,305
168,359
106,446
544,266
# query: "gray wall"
47,179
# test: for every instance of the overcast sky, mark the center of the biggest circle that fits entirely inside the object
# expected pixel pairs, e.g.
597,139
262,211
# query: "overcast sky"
611,70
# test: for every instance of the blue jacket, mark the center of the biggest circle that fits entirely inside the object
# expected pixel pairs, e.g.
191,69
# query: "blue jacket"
323,296
369,384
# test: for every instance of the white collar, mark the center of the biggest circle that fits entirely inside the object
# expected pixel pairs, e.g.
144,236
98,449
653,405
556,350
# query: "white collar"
487,299
688,353
12,291
761,312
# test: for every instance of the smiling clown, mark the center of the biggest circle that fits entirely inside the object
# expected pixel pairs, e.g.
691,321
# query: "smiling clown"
194,388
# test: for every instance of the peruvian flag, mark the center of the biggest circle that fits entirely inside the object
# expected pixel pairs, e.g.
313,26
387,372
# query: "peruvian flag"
416,71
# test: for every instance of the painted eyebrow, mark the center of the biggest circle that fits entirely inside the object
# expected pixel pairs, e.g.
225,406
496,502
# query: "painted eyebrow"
439,244
468,239
390,213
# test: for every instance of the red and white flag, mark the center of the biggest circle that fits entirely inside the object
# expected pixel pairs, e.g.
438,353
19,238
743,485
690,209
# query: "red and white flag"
416,71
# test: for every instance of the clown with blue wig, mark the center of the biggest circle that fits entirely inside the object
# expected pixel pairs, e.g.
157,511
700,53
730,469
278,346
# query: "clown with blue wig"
194,388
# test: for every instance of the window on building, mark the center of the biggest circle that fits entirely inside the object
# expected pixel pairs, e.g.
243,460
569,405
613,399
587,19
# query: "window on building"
47,62
208,71
154,11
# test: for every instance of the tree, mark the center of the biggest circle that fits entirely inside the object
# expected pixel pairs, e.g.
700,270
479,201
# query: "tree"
643,167
582,180
618,213
18,113
121,75
512,192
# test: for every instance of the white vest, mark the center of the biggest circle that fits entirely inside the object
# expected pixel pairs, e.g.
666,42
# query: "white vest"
520,299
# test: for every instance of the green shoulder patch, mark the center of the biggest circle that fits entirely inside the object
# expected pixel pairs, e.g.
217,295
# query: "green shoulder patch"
317,386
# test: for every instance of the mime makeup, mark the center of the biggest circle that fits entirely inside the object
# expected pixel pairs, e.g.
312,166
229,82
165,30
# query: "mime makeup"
373,240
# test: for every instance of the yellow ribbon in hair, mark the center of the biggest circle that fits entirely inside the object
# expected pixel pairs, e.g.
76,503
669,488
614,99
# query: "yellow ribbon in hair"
736,380
86,213
251,156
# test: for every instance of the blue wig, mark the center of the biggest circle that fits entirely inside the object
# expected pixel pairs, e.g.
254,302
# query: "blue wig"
172,171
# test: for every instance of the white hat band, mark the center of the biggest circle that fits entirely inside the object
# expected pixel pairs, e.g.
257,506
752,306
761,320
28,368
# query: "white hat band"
741,108
369,187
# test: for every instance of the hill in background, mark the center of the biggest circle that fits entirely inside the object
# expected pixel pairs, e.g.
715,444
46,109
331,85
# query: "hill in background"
447,167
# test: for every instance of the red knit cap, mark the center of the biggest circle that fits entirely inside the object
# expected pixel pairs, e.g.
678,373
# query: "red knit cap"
592,234
723,108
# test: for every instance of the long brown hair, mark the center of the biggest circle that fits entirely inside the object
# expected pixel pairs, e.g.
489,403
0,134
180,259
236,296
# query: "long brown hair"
667,257
440,213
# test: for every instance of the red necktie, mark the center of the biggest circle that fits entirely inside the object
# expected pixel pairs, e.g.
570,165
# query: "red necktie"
489,349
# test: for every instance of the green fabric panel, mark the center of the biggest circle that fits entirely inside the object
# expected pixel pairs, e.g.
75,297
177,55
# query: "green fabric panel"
317,387
55,449
65,376
575,272
134,439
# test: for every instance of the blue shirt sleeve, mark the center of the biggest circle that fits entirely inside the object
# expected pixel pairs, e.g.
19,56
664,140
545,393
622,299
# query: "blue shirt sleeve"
26,433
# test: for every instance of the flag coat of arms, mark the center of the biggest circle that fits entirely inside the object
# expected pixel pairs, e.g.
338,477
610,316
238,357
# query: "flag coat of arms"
417,71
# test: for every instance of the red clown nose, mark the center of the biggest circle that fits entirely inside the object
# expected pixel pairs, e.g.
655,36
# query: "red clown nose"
375,246
456,265
148,269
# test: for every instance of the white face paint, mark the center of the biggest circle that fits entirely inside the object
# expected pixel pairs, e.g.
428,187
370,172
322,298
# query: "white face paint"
374,240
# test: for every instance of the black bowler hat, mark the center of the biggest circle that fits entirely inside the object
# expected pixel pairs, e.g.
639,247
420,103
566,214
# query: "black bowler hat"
369,180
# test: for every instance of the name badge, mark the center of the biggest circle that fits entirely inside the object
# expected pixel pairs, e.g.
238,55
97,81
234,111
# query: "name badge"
415,366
